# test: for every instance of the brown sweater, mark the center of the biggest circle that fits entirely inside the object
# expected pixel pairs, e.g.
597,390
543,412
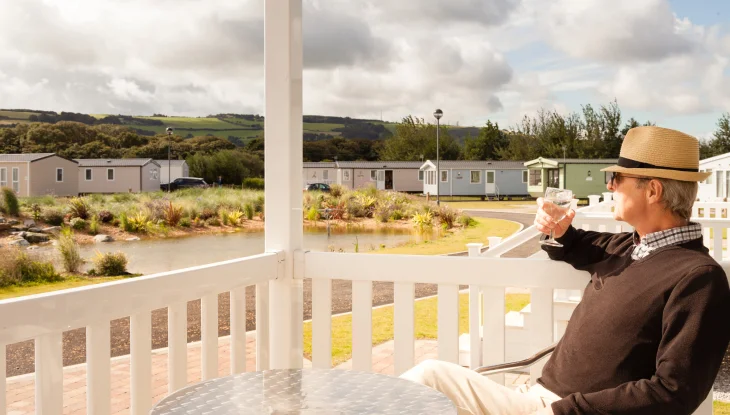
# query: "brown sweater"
648,336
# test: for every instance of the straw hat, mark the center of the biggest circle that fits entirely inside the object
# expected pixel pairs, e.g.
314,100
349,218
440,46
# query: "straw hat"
660,152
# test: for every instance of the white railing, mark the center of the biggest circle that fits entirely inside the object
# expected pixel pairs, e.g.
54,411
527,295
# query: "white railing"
44,317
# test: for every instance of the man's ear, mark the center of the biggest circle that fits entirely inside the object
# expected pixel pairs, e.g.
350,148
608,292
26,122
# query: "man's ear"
655,190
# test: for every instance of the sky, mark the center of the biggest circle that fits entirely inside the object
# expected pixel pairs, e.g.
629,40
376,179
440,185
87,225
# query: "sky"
666,61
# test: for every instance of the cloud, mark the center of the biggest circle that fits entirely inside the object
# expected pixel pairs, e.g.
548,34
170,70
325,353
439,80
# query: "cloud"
486,13
617,31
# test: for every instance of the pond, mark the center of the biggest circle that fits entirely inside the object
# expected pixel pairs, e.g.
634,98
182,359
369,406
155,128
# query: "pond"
160,255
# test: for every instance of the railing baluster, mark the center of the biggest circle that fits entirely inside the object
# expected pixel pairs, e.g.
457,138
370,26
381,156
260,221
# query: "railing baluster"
98,358
49,374
3,373
404,326
262,326
177,337
475,337
448,323
493,345
238,330
322,324
209,337
541,318
140,350
362,325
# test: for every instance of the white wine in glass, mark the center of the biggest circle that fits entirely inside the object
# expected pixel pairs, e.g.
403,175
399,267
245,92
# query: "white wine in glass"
556,204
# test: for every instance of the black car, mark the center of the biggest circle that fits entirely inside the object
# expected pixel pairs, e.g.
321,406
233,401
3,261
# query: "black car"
185,183
322,187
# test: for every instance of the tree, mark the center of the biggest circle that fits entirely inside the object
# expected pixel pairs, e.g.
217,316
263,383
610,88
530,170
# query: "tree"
720,144
415,138
487,145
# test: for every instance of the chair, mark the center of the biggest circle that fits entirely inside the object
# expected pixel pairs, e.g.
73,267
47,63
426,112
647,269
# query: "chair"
704,409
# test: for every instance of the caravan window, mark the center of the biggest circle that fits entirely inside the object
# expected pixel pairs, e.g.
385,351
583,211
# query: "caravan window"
420,175
535,177
444,175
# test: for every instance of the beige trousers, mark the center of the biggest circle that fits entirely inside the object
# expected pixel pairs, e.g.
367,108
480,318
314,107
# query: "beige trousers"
474,394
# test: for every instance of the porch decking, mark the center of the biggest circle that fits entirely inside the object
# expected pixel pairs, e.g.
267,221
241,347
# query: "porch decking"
21,389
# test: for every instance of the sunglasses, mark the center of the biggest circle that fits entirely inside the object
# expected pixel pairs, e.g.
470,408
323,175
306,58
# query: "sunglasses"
616,178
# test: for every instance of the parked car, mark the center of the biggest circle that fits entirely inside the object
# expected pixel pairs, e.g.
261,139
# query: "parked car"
184,183
322,187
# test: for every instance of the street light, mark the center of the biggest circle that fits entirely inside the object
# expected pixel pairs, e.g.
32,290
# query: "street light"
169,145
438,114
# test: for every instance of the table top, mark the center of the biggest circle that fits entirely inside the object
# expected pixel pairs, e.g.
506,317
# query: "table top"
306,391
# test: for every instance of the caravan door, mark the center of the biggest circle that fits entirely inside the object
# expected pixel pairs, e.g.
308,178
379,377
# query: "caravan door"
490,186
380,178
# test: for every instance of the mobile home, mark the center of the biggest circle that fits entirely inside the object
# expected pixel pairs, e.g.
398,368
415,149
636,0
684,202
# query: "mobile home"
583,176
39,174
487,179
118,175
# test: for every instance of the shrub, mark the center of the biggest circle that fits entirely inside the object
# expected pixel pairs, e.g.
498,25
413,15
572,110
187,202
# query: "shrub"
423,220
397,214
214,221
105,216
207,213
17,267
35,210
447,217
185,222
53,217
78,224
10,202
337,190
173,214
96,199
78,208
253,183
234,217
139,223
313,214
249,209
69,251
258,203
124,223
466,221
223,217
110,264
94,226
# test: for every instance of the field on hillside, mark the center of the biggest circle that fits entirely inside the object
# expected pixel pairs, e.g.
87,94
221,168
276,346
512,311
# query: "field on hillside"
243,129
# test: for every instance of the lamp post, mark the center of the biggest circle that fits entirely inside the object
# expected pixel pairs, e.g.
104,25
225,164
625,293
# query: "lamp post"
169,146
438,114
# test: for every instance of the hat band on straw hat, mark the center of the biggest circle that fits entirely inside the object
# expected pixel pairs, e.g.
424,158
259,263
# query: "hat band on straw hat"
633,164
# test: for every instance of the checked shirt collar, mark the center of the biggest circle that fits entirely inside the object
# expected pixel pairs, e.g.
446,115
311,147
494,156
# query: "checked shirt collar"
675,236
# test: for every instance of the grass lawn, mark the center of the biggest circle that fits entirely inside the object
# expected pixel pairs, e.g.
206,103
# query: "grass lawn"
491,205
17,115
71,282
426,325
320,127
456,242
721,408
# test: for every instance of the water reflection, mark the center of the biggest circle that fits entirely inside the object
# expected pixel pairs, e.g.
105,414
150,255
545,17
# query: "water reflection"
152,256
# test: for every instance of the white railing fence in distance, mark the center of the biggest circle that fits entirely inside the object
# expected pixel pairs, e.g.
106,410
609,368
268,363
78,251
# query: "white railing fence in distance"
44,317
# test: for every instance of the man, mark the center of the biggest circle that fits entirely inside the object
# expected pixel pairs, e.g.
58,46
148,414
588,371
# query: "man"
652,328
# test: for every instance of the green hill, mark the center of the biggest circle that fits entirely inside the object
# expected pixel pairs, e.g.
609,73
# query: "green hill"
237,128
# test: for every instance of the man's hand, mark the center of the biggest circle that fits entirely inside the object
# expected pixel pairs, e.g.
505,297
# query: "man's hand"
545,223
544,411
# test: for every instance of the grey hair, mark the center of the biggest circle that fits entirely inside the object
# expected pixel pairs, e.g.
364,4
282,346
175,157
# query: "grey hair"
677,196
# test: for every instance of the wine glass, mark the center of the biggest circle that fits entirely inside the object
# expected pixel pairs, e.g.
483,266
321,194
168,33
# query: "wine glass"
556,204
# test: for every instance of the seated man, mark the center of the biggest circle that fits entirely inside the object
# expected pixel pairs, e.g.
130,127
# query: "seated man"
652,328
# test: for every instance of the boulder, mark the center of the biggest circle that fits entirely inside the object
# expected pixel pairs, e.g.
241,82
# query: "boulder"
132,239
103,238
18,242
19,228
29,223
13,222
2,219
34,238
35,230
18,234
4,226
53,230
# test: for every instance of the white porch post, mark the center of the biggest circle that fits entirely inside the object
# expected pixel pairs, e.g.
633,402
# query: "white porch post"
283,168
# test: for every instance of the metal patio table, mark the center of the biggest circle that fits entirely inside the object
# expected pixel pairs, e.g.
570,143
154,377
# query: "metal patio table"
306,391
